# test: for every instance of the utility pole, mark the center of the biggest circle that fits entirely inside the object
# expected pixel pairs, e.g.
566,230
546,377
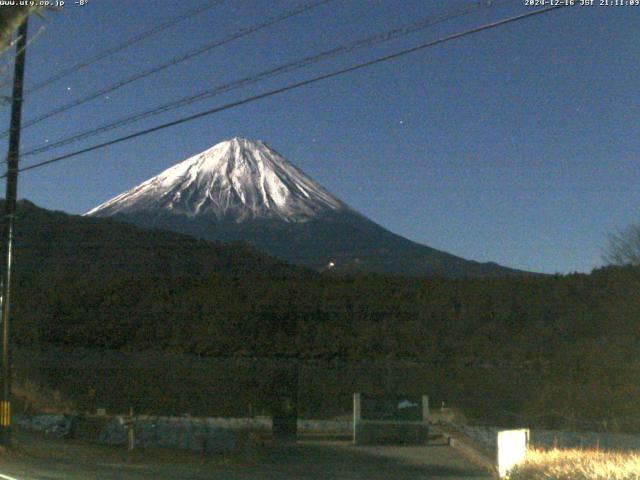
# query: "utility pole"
13,158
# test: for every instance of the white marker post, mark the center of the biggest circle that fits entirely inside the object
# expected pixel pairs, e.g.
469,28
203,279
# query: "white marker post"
512,449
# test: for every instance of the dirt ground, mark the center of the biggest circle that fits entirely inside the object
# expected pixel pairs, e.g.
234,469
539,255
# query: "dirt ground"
36,457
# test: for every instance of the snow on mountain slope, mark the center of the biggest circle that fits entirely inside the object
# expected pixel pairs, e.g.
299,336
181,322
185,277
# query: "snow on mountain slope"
243,191
237,180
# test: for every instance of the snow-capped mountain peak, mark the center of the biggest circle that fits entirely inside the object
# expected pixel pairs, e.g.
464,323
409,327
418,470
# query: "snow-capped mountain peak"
237,179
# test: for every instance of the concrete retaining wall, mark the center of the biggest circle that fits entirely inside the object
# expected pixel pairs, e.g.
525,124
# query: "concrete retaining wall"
211,435
199,435
326,426
58,425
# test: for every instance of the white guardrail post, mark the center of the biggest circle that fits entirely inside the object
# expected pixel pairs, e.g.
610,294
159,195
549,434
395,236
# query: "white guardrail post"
511,449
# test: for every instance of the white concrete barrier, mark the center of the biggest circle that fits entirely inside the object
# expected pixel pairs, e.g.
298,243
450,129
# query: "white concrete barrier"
512,449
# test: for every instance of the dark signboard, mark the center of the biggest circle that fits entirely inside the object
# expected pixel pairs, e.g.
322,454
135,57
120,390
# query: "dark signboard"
391,407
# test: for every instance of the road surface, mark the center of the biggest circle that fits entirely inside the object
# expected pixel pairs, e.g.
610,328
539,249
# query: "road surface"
48,459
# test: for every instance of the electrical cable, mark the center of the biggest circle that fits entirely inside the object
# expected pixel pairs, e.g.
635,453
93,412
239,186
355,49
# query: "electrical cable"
122,46
176,60
294,86
286,68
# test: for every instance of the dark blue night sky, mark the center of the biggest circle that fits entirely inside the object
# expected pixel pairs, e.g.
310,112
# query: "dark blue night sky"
518,145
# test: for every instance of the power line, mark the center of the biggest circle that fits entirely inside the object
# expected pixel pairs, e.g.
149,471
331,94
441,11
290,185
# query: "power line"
122,46
11,62
176,60
294,86
371,40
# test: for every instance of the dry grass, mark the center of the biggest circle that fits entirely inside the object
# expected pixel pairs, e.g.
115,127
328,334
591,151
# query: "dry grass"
31,397
578,465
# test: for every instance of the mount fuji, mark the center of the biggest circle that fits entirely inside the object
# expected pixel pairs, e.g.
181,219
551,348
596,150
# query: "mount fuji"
243,190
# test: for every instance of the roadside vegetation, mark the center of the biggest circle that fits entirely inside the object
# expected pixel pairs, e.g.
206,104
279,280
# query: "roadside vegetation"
578,465
30,396
117,317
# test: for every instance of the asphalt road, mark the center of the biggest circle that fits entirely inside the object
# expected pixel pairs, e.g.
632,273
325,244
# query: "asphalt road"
313,460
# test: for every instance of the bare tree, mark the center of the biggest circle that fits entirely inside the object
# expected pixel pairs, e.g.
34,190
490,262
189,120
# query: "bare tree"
623,247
